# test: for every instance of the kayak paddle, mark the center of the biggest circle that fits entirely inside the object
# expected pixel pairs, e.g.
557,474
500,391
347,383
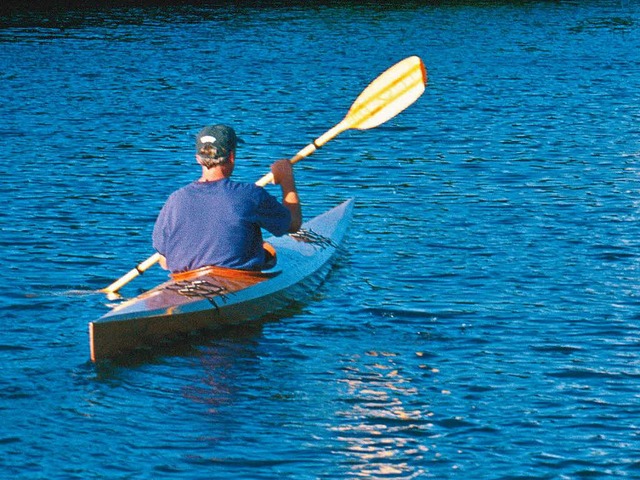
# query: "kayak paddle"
384,98
388,95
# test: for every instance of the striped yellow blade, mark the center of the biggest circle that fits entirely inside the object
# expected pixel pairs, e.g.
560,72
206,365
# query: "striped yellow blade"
389,94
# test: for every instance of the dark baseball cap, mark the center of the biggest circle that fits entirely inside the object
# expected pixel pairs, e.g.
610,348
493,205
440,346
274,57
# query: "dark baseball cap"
216,142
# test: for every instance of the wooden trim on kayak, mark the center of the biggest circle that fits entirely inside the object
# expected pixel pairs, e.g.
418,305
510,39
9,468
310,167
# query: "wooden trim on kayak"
221,272
233,273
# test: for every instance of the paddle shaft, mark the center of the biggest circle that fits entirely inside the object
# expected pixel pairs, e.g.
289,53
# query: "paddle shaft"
309,149
133,273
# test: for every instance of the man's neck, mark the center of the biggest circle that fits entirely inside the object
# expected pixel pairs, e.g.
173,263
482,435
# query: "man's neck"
212,174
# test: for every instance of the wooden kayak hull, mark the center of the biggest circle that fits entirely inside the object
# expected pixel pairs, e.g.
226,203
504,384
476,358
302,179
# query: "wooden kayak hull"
210,298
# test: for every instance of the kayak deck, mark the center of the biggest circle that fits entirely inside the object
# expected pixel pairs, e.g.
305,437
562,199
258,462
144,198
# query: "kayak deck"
212,297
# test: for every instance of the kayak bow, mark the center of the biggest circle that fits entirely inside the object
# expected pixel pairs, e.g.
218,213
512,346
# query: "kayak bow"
212,297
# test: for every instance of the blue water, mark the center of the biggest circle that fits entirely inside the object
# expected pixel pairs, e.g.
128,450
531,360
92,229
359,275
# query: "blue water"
484,321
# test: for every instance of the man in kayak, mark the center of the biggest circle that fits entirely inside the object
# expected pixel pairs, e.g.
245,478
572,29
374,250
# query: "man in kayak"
217,221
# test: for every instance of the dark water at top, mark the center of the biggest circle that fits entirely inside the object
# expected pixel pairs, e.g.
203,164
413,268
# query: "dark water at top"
484,322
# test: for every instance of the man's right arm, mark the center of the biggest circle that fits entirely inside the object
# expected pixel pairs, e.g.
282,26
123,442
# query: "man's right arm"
283,175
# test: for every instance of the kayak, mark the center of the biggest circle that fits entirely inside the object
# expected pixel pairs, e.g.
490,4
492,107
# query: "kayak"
212,297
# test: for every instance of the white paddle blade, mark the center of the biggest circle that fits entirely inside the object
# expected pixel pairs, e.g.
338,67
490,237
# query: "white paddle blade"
389,94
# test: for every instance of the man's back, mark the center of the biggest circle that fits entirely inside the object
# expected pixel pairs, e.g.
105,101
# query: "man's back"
218,223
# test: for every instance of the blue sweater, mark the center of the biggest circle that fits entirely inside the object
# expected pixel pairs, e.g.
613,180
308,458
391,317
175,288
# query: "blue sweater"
218,223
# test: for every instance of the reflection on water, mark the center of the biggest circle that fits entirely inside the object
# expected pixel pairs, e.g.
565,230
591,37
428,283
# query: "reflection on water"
215,389
386,427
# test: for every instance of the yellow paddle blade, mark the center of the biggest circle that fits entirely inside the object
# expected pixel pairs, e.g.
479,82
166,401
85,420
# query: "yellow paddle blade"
389,94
